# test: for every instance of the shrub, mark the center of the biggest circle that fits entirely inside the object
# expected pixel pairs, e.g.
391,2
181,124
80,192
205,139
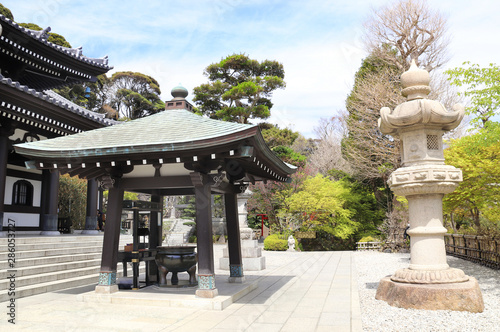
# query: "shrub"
189,223
367,239
275,243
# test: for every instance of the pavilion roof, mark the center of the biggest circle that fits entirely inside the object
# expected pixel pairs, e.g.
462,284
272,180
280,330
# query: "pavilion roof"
171,136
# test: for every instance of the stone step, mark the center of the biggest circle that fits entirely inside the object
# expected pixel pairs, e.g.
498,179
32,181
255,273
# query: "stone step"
20,263
49,252
52,239
52,286
74,248
55,245
48,277
48,268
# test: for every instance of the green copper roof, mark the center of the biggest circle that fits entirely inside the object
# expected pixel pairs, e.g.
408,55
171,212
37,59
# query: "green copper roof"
173,130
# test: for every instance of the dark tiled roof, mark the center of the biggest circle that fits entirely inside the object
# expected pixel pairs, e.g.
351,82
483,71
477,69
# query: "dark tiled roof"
75,53
72,107
53,98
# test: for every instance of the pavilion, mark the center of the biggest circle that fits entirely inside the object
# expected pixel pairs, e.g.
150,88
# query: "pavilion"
174,152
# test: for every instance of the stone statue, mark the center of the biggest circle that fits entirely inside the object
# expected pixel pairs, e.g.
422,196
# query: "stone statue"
291,243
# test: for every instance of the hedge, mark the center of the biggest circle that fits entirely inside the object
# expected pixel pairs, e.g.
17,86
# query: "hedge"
274,243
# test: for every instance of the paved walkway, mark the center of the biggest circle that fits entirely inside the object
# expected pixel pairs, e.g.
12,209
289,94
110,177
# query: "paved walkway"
298,291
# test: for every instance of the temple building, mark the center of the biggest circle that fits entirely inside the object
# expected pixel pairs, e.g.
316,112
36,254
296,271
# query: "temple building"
30,67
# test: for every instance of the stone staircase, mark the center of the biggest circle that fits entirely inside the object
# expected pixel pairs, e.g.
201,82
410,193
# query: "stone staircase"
179,233
44,264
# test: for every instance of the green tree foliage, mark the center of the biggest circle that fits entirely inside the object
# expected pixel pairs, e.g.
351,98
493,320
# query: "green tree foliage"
73,200
275,136
74,93
477,197
6,12
360,200
239,88
128,94
481,86
53,37
320,205
135,95
289,156
270,197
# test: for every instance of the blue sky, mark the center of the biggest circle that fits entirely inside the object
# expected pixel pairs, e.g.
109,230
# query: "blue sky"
318,42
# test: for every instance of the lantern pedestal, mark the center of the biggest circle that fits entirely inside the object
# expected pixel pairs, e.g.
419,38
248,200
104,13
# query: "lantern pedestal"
459,296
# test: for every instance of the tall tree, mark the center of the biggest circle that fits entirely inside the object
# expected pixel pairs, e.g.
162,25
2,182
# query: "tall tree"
394,35
372,155
413,30
239,88
327,154
135,95
481,86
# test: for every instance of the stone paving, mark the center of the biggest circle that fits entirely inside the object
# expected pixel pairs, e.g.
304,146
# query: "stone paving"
298,291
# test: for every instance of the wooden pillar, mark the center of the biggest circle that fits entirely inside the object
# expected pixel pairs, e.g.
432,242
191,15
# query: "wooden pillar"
107,275
155,224
155,235
91,215
233,235
50,191
6,129
4,156
205,249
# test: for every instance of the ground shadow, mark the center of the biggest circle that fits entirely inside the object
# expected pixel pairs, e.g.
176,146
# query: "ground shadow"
371,285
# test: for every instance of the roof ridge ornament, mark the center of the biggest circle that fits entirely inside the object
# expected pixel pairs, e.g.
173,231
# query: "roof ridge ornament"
179,92
42,34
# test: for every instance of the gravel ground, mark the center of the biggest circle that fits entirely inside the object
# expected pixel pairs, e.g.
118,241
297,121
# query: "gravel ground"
379,316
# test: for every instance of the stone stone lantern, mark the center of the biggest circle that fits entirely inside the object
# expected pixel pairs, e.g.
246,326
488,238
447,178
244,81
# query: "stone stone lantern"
429,282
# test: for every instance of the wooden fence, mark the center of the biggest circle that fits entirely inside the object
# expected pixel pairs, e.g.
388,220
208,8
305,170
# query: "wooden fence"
368,245
479,249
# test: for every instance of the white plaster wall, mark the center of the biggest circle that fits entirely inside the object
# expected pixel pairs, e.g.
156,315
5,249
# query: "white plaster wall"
22,219
9,185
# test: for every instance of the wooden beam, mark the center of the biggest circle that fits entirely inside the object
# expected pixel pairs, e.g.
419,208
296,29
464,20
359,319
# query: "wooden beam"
164,182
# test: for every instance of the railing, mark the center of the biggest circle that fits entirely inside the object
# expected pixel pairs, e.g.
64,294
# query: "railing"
479,249
368,245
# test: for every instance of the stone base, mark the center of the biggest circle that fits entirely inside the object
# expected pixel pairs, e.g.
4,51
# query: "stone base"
90,231
102,289
460,296
236,280
249,264
50,233
207,293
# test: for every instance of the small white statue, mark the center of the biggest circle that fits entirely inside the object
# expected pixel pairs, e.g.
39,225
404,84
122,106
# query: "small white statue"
291,243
